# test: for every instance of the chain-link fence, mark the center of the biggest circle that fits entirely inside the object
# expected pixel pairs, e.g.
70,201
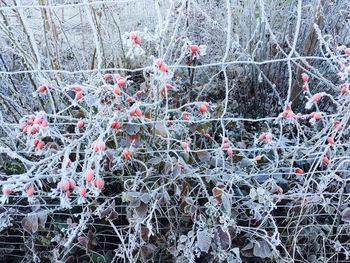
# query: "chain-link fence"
174,131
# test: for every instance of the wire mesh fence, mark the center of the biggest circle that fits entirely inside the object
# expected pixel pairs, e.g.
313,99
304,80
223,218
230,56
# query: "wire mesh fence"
174,131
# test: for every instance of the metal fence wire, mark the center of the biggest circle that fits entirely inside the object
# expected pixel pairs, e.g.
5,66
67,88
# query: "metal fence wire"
174,131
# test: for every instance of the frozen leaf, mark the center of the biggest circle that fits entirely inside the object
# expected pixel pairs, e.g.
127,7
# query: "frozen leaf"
177,170
224,238
262,249
154,160
183,239
141,210
91,100
217,193
163,197
252,194
173,251
35,205
42,218
161,130
204,156
227,202
88,241
346,215
247,250
131,129
168,167
245,163
70,260
30,223
147,251
109,212
145,198
260,191
204,240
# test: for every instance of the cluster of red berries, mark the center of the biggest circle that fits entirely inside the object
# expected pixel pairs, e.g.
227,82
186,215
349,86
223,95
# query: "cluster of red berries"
66,186
78,93
203,107
32,124
161,66
89,177
265,137
99,146
127,154
226,146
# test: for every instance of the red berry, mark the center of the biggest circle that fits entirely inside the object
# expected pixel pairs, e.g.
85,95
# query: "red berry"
229,152
29,122
39,121
30,190
117,91
161,65
202,108
194,49
258,157
98,183
262,137
95,146
121,82
316,98
34,130
83,191
226,145
138,112
132,112
21,128
325,160
184,145
6,190
317,115
305,77
298,171
102,146
186,116
129,99
36,142
347,51
41,89
115,125
72,184
89,175
107,77
330,140
135,39
127,154
344,89
80,124
76,89
40,145
78,96
65,186
45,123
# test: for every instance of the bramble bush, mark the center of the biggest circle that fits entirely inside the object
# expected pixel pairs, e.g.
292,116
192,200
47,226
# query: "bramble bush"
192,144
